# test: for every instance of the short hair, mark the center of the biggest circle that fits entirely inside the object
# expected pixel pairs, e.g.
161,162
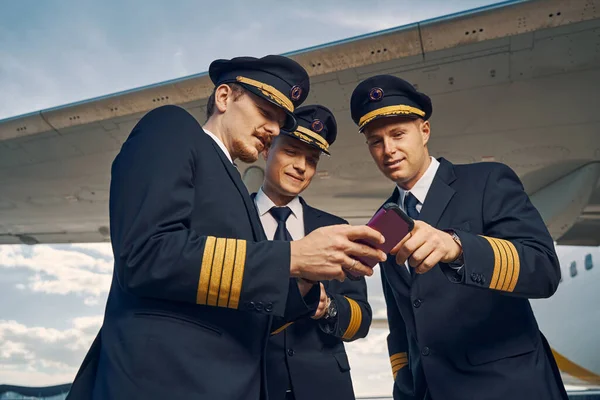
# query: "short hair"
237,90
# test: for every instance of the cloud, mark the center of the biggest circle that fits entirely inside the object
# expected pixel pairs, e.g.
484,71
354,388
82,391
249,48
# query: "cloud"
50,356
34,352
35,355
101,250
62,270
370,366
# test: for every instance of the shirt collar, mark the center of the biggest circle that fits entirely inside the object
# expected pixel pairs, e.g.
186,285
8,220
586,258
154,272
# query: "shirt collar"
220,144
422,186
264,204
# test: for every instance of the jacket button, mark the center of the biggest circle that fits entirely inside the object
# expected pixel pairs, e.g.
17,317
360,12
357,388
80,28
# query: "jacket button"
250,305
474,277
269,307
259,306
290,352
417,303
425,351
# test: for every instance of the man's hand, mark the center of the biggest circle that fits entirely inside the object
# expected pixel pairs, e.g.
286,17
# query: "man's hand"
323,304
326,252
426,246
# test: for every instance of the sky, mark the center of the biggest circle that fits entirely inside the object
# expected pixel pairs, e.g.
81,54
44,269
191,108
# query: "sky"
56,52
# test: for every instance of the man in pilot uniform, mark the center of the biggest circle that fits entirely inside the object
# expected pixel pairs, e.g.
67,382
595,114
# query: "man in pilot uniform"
307,359
457,286
196,284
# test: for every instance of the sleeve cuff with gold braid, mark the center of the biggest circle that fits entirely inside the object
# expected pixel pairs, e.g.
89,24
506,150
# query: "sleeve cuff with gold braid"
398,361
506,265
222,272
353,325
355,319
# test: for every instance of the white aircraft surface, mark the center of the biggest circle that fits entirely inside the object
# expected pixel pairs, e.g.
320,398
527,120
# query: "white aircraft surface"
512,83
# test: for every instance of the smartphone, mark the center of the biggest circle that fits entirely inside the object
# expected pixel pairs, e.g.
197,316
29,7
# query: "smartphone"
393,224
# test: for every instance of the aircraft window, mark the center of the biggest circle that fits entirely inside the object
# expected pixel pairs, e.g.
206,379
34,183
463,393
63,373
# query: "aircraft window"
588,262
573,269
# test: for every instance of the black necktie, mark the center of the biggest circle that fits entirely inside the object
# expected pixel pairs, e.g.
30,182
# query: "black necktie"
410,204
281,215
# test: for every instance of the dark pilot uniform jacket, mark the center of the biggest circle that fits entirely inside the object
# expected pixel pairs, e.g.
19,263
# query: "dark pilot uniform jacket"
313,350
472,334
196,284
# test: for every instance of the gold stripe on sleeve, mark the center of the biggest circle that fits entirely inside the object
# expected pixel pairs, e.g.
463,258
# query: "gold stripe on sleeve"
504,267
355,319
496,273
516,268
398,361
215,275
238,274
227,273
205,269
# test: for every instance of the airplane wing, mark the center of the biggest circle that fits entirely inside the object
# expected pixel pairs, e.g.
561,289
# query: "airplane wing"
512,83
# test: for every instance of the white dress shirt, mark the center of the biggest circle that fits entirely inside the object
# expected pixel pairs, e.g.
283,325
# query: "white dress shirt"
294,223
220,143
420,190
422,186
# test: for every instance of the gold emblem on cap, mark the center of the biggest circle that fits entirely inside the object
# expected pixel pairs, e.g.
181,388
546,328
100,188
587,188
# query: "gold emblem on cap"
317,125
295,92
376,94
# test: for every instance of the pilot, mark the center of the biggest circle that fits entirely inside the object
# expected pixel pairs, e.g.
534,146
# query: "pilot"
457,286
306,360
196,284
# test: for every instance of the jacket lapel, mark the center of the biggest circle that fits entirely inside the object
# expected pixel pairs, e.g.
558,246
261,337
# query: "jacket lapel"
262,228
234,174
439,194
437,200
311,217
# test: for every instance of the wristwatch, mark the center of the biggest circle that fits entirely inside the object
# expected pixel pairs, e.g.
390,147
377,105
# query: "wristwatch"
460,259
331,309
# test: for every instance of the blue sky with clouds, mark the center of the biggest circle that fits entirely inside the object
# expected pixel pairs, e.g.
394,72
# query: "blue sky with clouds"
60,51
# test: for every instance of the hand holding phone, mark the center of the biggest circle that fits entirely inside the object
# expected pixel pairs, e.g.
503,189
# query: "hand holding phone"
393,224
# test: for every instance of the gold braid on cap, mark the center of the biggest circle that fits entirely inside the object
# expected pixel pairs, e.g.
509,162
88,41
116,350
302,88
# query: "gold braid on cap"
389,110
269,91
302,132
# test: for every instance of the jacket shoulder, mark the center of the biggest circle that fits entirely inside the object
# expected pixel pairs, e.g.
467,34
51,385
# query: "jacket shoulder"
169,111
482,170
166,123
335,220
327,218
